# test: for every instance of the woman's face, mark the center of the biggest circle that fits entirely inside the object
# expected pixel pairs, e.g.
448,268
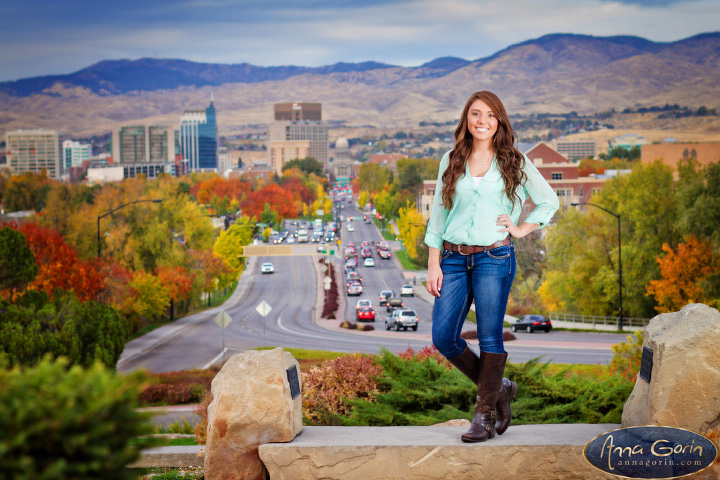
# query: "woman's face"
482,122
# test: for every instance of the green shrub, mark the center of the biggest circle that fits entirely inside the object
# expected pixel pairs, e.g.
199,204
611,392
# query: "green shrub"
415,390
421,388
33,326
565,397
60,423
627,356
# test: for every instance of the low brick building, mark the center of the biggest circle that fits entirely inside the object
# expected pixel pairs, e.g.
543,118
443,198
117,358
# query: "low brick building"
671,153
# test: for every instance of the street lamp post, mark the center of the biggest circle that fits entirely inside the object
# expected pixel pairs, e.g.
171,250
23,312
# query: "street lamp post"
620,316
157,200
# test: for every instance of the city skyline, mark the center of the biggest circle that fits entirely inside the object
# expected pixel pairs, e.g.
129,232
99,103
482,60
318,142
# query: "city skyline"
47,38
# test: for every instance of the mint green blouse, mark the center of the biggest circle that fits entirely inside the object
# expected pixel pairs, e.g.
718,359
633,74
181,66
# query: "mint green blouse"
471,221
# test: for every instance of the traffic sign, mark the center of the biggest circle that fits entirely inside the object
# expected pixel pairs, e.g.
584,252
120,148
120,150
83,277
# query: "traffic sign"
222,319
263,308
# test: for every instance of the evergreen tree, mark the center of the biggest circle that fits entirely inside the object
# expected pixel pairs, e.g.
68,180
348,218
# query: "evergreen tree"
17,262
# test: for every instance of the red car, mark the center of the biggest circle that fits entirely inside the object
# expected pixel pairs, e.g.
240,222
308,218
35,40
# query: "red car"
365,314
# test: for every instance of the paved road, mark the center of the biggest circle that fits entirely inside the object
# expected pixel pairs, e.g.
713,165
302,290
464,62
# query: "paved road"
294,292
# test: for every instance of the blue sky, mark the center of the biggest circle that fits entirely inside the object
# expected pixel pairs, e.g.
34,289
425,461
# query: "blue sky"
44,37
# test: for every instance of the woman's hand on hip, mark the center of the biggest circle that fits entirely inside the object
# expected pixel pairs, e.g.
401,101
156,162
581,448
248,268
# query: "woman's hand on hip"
433,284
508,226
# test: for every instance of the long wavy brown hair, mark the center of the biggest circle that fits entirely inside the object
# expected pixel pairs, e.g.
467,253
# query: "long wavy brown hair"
509,159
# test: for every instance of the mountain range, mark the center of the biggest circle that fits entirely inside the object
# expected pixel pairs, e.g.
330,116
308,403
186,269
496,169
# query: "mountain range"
554,73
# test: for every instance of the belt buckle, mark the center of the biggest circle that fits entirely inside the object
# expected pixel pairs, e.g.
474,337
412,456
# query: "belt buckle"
460,247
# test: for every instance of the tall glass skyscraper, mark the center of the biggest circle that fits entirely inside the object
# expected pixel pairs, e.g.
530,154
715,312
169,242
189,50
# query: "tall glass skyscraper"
199,139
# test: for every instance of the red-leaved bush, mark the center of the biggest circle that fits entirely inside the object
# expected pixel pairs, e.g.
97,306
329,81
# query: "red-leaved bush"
324,388
331,299
174,388
426,352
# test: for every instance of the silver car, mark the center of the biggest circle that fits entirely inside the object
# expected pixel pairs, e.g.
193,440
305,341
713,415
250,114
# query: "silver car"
402,319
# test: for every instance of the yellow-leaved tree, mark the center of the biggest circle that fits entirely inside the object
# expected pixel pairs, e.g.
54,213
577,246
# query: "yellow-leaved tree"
228,245
412,229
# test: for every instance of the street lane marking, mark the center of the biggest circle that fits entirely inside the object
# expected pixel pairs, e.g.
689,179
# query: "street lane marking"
212,362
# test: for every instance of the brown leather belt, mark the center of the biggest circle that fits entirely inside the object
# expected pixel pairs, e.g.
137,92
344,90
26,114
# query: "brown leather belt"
470,249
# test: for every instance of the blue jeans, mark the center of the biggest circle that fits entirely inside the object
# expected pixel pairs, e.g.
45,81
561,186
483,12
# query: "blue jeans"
485,277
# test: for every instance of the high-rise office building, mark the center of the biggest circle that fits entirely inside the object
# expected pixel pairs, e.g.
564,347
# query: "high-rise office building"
283,152
224,159
75,153
199,139
576,149
146,150
297,111
34,150
298,122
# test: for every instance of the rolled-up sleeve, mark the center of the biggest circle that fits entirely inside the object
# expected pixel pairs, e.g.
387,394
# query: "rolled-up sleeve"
542,194
438,216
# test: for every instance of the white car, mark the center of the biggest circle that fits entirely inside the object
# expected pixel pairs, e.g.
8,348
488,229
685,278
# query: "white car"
267,268
369,262
408,290
350,227
363,302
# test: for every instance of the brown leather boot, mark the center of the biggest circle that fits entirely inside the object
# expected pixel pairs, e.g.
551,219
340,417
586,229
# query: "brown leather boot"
469,364
502,407
482,428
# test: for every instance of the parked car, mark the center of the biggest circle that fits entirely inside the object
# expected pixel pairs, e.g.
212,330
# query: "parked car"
402,319
354,288
384,295
369,262
363,302
394,303
267,268
530,323
384,253
365,314
407,290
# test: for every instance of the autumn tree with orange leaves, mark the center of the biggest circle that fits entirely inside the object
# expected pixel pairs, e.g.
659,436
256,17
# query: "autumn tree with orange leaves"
59,266
683,271
274,195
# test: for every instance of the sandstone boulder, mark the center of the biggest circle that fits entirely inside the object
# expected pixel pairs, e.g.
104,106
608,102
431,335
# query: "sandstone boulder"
684,389
252,405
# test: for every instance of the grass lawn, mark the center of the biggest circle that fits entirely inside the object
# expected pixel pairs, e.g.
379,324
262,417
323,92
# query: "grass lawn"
406,262
308,358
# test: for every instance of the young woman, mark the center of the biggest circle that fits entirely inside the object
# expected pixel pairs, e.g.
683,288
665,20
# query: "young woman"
481,187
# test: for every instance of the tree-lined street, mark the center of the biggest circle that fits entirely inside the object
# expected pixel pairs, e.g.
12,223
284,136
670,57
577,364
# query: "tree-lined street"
294,292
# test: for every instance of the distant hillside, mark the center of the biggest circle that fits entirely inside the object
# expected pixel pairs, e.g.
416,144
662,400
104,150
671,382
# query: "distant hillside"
111,77
554,73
